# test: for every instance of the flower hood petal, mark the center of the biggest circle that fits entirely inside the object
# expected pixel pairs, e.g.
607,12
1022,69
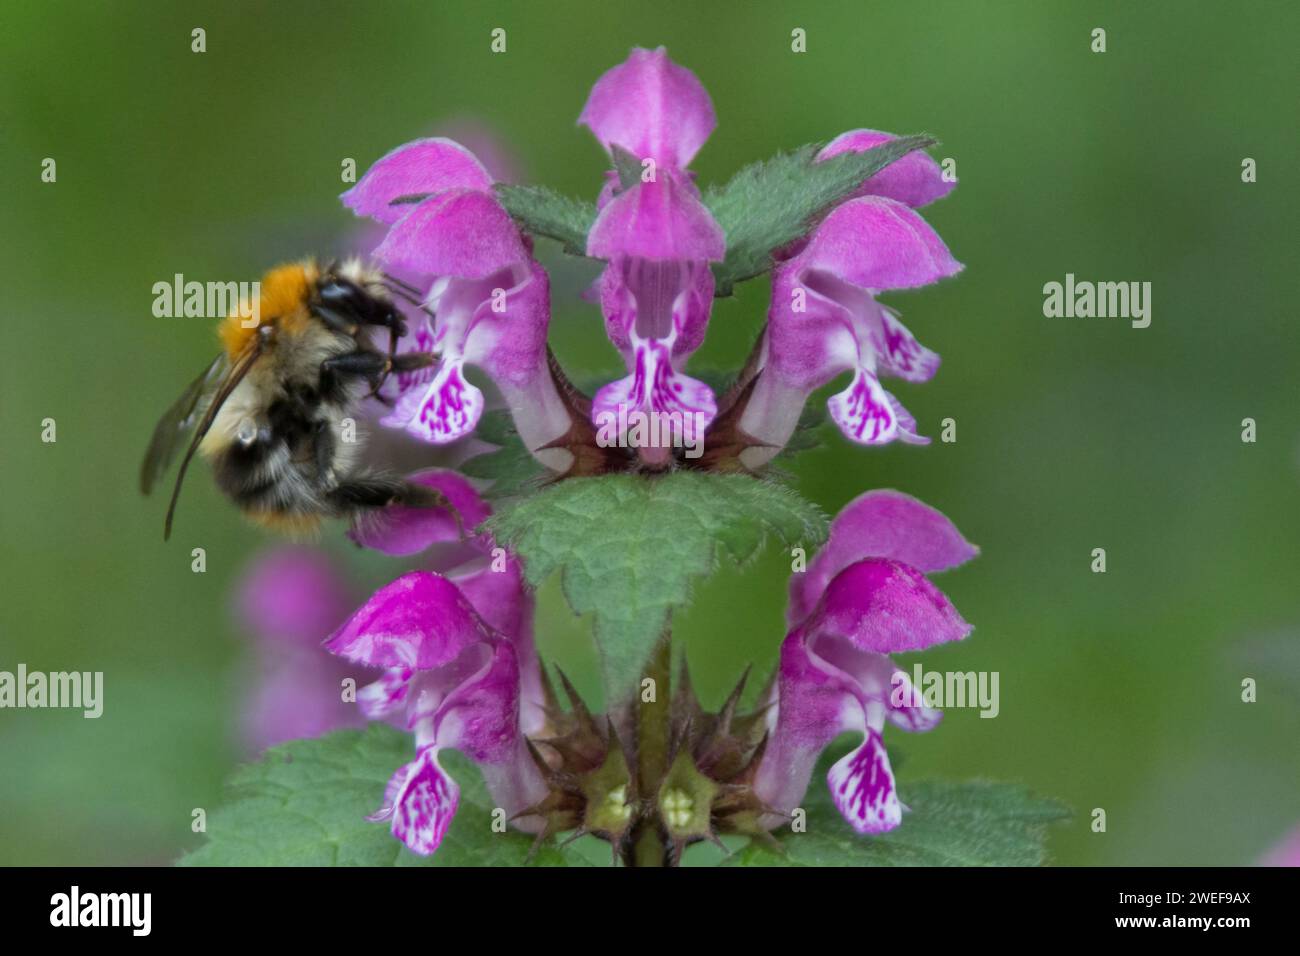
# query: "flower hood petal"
651,107
879,524
660,220
888,607
420,621
875,244
915,179
424,166
461,233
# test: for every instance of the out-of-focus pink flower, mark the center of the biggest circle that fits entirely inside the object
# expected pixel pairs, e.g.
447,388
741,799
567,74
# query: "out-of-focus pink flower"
1286,853
290,599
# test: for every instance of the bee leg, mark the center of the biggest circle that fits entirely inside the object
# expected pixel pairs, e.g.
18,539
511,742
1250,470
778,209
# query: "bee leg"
377,491
371,366
422,496
390,319
410,361
406,362
366,492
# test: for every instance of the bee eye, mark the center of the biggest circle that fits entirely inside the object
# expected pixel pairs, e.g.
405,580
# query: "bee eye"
247,433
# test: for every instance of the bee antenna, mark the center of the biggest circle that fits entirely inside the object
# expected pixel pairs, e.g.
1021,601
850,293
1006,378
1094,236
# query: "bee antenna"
409,298
388,277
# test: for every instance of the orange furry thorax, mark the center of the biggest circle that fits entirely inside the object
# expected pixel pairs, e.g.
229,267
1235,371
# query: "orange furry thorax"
282,303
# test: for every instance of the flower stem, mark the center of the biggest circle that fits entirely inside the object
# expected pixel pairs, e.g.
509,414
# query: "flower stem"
653,707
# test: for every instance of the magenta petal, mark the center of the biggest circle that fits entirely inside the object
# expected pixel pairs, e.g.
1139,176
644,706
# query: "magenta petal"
425,166
656,300
660,220
665,401
807,349
510,344
862,786
424,804
480,717
399,530
503,600
420,621
876,243
888,607
515,784
651,107
889,524
880,680
907,708
500,597
815,702
461,233
880,524
385,696
916,179
898,351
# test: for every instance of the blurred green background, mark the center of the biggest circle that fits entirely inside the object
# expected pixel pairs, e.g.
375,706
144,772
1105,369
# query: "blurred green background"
1119,691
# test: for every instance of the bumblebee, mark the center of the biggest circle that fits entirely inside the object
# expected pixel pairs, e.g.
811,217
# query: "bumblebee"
269,411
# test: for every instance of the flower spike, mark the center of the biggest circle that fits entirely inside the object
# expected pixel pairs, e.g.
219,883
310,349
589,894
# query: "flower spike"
658,238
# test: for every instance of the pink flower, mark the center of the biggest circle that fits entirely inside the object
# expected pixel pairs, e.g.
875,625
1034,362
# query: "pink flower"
863,597
656,292
455,681
914,180
290,599
461,669
1286,852
824,320
490,577
491,298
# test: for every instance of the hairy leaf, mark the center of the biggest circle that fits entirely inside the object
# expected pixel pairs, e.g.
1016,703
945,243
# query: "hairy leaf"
977,823
544,212
305,803
770,203
627,547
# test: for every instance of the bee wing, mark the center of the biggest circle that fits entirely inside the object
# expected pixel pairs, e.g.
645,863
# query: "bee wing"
228,376
177,422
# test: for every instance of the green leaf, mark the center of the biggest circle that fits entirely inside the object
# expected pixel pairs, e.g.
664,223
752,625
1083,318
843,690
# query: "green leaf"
976,823
544,212
510,467
773,202
627,547
305,803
